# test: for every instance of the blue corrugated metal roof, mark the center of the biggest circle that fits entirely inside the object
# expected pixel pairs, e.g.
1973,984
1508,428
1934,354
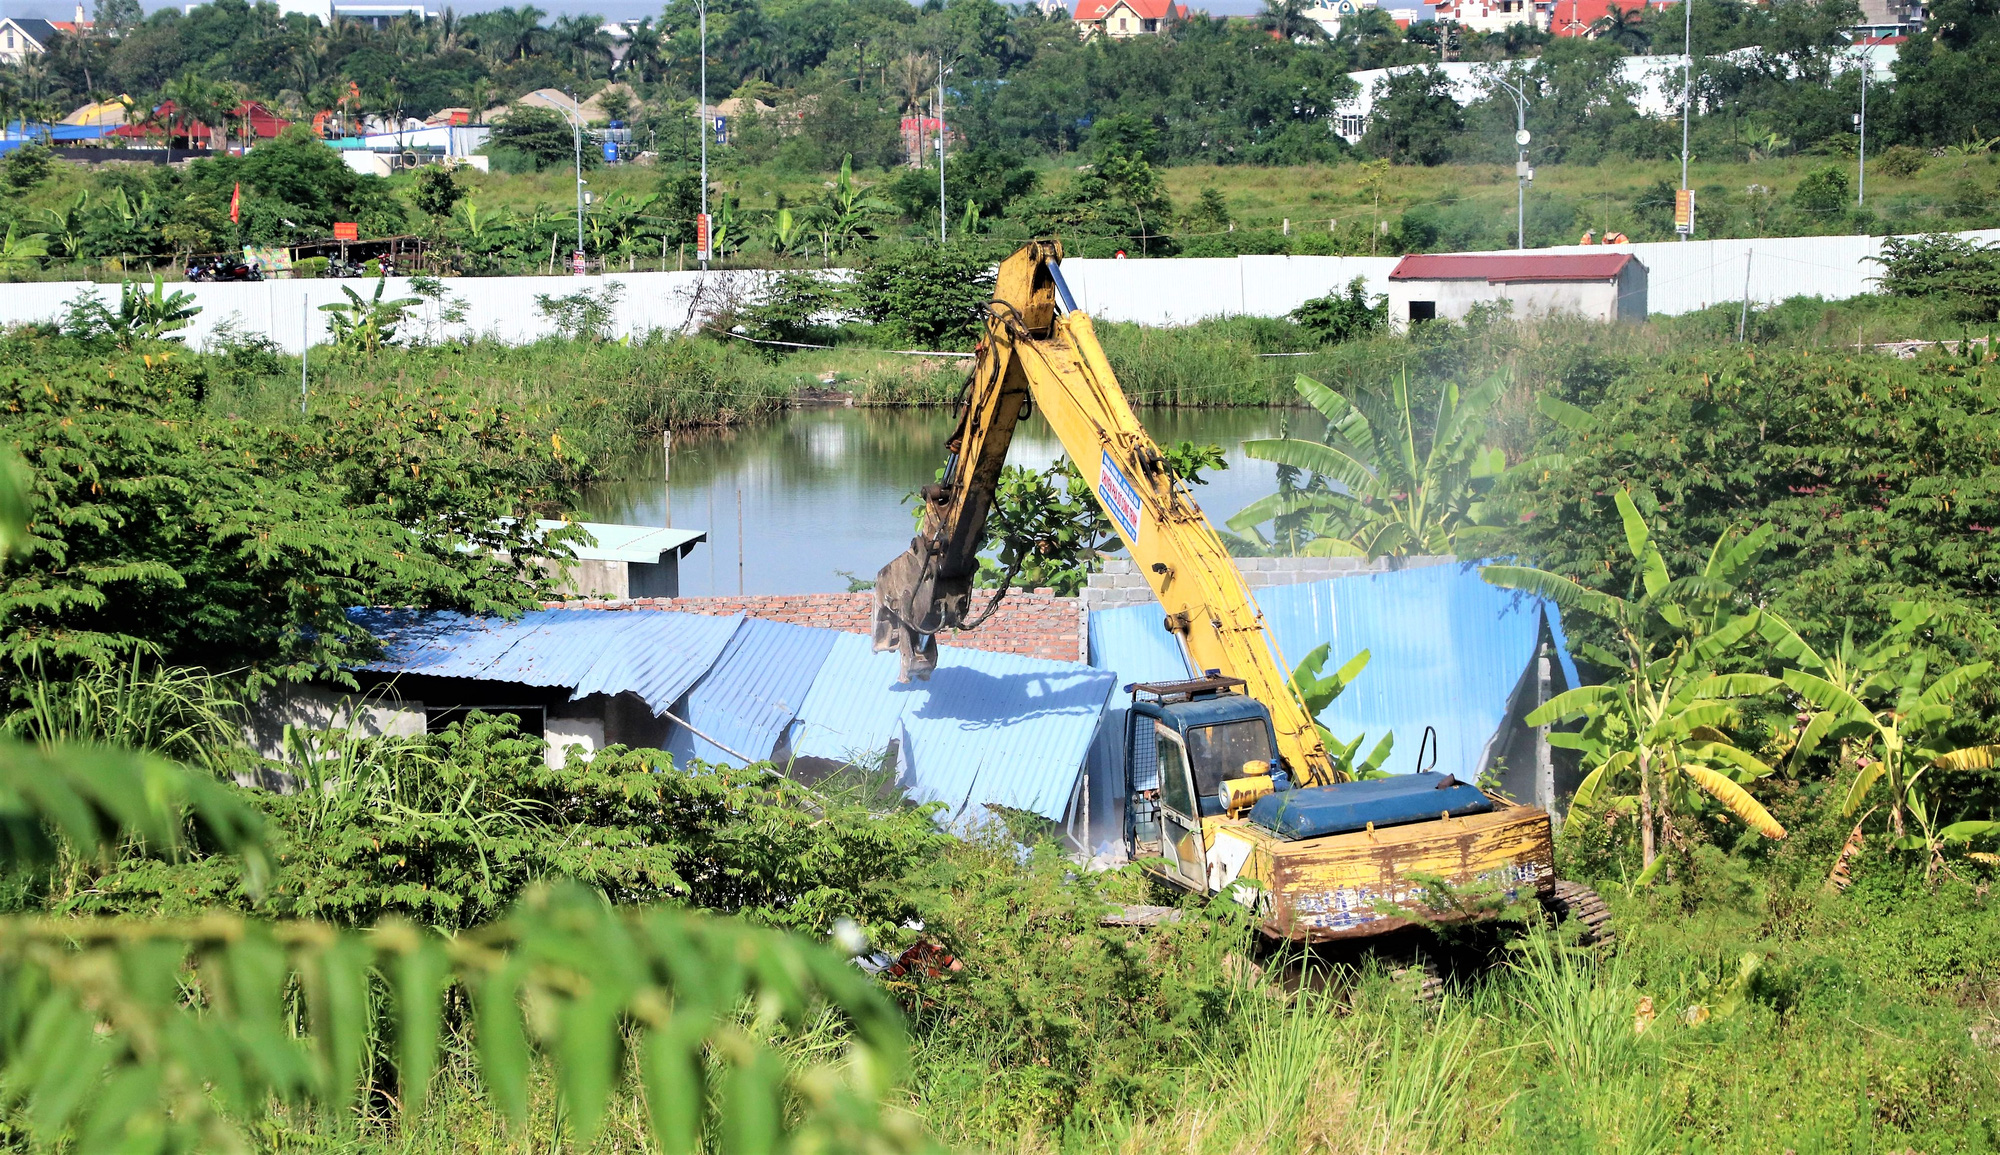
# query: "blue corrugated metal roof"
986,728
1446,651
752,693
654,654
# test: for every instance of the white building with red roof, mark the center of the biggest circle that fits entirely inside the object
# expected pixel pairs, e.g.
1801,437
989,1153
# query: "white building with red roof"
1607,286
1120,19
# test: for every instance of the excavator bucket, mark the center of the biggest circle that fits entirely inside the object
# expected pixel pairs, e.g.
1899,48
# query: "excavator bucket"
902,595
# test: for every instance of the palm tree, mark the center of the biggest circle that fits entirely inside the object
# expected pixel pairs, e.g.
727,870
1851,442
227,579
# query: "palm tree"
1404,493
199,100
1623,26
516,32
1288,19
584,39
643,50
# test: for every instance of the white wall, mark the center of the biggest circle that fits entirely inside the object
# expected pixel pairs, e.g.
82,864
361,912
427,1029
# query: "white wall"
502,307
1682,277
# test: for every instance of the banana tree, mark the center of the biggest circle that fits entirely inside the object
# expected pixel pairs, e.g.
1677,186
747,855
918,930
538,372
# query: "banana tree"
1316,691
845,212
1404,494
1660,728
788,233
1899,715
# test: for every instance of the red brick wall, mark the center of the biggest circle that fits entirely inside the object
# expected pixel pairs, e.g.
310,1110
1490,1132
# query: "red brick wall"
1035,624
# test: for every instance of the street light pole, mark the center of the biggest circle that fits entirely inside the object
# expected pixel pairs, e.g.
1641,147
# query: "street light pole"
940,146
1687,88
702,115
1861,129
576,131
1521,170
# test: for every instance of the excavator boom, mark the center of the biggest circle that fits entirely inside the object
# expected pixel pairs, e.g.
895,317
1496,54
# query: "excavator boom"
1038,350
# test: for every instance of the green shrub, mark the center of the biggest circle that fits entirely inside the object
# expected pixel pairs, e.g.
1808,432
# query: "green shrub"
927,296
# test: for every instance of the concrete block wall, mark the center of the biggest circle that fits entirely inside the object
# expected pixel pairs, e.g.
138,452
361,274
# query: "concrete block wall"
1121,584
1032,623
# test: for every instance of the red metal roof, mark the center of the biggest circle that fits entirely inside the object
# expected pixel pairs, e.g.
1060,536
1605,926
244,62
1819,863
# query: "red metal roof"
1508,268
1091,10
264,124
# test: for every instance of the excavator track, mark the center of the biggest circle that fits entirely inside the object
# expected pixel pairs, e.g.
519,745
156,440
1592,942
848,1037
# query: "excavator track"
1586,906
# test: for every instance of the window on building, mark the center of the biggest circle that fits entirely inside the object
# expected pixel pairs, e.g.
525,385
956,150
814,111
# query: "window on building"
1149,25
1124,25
1423,311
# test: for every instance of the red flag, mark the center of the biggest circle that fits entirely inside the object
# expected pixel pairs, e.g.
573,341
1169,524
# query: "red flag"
236,202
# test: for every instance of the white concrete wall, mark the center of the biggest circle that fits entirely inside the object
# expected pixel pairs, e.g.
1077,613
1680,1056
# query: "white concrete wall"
1681,277
287,310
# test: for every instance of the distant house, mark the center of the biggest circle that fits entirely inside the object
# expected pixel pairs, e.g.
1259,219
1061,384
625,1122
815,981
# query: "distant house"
24,36
1484,16
1600,286
1120,19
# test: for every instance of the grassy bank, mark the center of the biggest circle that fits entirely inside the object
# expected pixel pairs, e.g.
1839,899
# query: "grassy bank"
605,398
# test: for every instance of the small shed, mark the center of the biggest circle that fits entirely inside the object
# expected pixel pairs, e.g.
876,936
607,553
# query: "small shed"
1608,286
628,561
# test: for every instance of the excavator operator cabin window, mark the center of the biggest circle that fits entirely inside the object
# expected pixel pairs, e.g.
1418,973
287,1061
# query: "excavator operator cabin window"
1219,752
1173,779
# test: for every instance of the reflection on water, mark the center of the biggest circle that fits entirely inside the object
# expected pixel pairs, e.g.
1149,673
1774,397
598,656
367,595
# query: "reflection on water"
821,491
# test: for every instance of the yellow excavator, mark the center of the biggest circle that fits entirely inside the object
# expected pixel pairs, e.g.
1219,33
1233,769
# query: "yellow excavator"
1229,786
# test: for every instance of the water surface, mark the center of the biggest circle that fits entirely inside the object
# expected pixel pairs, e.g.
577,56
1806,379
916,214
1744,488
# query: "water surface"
821,493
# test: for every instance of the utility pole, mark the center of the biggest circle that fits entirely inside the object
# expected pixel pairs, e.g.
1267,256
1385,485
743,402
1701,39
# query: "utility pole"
940,146
701,8
1522,173
1687,89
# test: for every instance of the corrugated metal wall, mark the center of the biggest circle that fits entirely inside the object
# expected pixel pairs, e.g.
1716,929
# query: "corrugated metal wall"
1446,651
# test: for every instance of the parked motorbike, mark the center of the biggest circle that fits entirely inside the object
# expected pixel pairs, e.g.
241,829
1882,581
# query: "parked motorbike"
225,269
336,267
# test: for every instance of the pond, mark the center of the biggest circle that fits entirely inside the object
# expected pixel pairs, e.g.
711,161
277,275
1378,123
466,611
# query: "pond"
821,494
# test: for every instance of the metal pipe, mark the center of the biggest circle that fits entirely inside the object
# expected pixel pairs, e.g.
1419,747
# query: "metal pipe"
1063,298
576,131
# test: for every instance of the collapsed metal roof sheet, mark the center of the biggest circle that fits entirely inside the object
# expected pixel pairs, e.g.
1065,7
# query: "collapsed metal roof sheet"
988,728
654,655
752,693
1446,650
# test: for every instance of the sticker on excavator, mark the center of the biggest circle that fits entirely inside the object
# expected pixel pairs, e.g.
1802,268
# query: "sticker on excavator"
1119,497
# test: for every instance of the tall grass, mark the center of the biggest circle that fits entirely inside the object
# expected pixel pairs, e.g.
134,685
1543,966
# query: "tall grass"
141,703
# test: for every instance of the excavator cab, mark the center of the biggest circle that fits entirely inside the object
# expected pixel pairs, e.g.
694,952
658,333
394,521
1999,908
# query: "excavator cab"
1195,750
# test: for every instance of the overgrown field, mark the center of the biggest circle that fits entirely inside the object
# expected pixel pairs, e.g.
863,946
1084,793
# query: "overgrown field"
1775,558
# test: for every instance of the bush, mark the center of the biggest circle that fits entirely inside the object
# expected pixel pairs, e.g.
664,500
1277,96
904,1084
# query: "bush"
1900,161
1339,317
1962,272
1822,192
927,296
797,307
449,829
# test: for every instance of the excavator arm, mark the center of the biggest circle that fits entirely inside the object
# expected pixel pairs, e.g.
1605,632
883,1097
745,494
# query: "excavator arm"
1039,351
